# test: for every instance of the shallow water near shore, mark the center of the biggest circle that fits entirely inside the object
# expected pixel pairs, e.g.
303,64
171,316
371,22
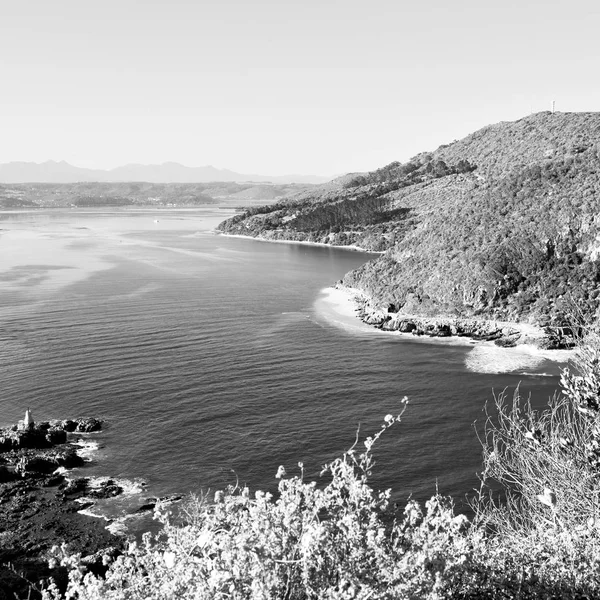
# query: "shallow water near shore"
215,359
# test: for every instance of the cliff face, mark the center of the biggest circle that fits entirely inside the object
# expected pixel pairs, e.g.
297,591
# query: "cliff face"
503,224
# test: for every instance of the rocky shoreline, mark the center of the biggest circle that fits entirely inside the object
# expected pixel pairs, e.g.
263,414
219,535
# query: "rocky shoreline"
503,334
40,505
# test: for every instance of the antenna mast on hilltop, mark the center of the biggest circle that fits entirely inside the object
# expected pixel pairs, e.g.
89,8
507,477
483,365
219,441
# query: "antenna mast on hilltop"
553,105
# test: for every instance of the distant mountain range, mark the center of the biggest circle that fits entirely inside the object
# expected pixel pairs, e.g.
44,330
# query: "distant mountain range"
169,172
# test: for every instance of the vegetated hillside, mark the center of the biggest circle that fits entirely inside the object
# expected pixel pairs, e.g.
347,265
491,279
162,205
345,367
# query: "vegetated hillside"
503,224
99,194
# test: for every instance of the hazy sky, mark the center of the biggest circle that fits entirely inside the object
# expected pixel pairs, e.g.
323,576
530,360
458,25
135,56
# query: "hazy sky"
276,87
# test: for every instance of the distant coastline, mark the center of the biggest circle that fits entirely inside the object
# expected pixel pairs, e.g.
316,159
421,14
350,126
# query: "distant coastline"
354,248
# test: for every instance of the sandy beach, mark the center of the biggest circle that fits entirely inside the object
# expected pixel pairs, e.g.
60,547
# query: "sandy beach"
321,244
339,306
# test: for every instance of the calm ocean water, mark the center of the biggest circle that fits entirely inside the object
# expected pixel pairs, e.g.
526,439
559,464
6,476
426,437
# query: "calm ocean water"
213,361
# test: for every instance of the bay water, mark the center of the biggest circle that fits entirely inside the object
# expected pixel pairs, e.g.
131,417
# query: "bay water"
214,359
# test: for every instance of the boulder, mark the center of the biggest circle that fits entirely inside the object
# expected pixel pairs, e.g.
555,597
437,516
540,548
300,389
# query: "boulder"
68,425
68,458
406,326
55,435
442,331
88,425
15,440
35,464
107,489
74,486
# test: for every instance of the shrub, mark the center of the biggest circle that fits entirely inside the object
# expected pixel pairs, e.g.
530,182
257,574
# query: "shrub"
337,540
541,512
536,530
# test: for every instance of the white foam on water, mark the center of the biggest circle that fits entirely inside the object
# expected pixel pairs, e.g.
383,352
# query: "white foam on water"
87,449
114,510
130,487
527,374
88,512
489,358
337,306
118,527
350,247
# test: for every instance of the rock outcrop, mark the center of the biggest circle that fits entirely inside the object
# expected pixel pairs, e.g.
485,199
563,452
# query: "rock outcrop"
39,508
502,334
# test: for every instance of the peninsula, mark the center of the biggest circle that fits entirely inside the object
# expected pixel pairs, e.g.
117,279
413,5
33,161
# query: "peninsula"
501,226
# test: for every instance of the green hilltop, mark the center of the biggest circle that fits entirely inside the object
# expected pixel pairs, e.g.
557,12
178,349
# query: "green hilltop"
500,225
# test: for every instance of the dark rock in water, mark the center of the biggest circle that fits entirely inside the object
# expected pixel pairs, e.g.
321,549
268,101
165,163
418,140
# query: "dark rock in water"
80,425
506,342
88,425
55,436
75,486
38,509
150,503
69,459
106,489
66,425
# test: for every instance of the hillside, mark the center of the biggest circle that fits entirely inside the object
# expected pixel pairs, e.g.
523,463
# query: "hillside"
502,224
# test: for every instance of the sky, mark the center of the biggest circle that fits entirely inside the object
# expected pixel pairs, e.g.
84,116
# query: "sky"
319,87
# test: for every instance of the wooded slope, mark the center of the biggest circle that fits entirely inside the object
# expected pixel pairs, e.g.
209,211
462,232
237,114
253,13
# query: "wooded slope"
504,223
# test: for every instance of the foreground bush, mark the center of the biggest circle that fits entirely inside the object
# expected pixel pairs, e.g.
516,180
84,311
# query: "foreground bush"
545,523
539,538
336,541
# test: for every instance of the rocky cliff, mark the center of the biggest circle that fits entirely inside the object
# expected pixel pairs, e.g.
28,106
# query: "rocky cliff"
503,224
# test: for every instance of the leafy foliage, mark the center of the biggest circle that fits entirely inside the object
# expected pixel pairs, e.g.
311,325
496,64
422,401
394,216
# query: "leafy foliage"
538,537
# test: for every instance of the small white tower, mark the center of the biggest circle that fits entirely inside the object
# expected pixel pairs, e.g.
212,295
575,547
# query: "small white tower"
28,420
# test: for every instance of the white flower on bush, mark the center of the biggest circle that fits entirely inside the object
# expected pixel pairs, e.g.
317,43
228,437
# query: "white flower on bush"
548,498
203,538
169,558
